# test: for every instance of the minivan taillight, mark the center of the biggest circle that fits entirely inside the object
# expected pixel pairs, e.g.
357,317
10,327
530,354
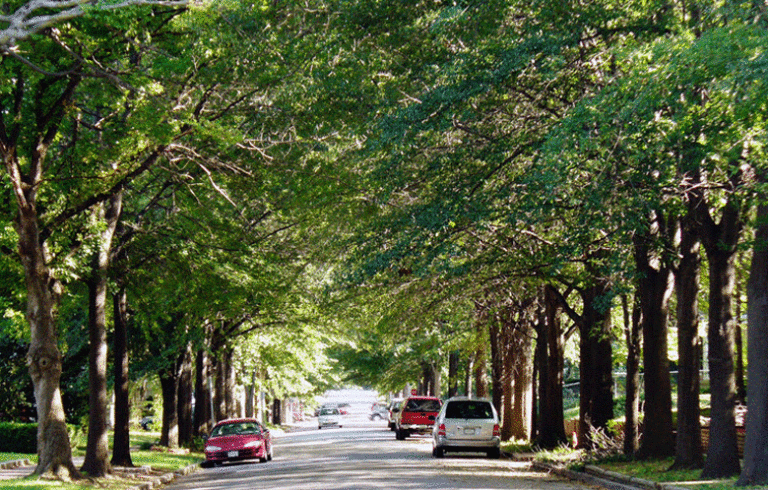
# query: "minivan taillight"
496,430
441,430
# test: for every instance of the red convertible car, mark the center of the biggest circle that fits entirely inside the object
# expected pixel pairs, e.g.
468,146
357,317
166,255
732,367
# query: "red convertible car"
237,440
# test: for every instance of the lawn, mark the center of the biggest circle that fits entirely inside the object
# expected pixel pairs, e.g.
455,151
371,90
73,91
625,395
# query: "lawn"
157,462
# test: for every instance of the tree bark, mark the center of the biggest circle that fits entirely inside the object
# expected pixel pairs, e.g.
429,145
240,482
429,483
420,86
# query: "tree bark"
202,417
633,334
43,357
722,455
720,241
480,364
43,290
169,383
507,327
497,366
96,462
453,373
688,453
121,449
654,290
522,396
549,341
230,386
219,397
755,471
184,399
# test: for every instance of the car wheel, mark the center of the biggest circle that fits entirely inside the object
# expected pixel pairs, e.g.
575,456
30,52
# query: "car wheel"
400,435
494,453
270,453
438,452
319,427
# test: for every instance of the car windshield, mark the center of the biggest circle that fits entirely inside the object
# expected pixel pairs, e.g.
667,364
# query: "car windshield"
236,428
422,405
329,411
468,410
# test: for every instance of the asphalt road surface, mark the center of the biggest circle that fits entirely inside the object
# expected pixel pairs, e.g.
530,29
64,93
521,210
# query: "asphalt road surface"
364,455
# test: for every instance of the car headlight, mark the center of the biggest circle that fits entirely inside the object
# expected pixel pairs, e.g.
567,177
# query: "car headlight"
210,449
253,444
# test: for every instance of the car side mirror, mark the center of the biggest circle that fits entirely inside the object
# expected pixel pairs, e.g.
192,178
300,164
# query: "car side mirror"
205,438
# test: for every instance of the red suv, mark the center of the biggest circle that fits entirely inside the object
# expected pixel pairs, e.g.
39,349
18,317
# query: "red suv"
417,416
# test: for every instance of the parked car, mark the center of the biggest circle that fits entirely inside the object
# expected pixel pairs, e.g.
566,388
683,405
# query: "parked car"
237,440
393,410
329,416
417,416
147,422
466,424
378,411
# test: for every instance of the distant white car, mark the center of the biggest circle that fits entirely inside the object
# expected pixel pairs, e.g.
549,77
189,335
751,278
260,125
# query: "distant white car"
329,417
466,424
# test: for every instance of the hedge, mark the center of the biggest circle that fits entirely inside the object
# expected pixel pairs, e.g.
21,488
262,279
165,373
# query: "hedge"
18,438
22,438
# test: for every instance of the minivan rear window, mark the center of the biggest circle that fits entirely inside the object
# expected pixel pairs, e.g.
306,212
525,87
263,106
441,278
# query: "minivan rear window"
468,410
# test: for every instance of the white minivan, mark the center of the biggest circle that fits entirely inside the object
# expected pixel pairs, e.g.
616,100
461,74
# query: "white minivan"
467,424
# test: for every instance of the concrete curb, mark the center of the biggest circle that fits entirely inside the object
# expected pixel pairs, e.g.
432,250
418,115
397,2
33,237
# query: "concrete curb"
165,478
16,463
605,479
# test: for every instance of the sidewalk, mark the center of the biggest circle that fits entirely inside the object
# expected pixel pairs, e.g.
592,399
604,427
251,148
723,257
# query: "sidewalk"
18,468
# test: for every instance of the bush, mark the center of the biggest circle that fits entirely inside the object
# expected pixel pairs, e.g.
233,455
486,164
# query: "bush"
18,438
22,438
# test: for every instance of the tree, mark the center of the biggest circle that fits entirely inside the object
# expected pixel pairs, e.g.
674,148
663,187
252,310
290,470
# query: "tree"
755,471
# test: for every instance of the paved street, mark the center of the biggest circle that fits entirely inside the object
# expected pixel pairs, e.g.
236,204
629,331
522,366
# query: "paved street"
365,455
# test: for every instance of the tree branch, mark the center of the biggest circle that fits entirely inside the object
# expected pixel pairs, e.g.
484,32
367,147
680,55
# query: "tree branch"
23,22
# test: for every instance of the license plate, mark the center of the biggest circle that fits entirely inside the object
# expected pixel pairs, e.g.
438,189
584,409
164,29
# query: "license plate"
233,454
469,432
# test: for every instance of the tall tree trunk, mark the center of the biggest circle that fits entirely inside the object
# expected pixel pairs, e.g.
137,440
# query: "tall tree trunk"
497,365
184,399
522,397
755,470
169,383
596,359
549,341
508,378
220,388
654,290
121,449
741,388
43,357
96,461
250,395
43,290
596,373
633,334
230,387
720,241
722,455
453,373
480,363
688,452
202,419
